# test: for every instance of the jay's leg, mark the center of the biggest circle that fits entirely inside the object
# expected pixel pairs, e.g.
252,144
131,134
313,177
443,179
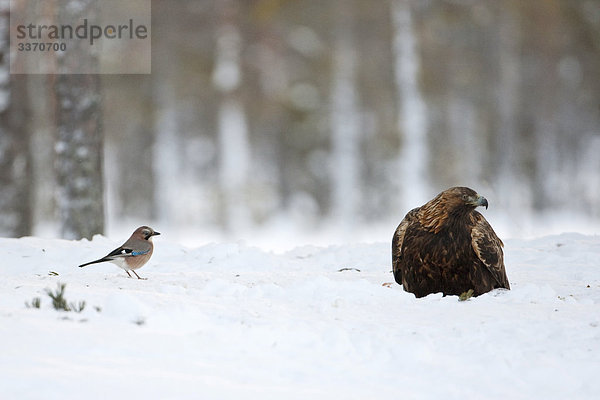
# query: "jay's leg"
137,275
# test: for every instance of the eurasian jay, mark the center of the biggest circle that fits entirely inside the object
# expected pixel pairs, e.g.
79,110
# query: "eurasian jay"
134,253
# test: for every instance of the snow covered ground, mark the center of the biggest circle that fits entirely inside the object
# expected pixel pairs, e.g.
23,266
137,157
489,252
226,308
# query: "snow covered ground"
227,321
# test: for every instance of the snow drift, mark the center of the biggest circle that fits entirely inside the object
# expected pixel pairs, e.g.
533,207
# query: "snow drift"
224,321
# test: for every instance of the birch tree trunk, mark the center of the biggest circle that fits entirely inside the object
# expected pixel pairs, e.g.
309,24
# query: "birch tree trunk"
79,139
345,122
233,142
15,160
512,187
412,118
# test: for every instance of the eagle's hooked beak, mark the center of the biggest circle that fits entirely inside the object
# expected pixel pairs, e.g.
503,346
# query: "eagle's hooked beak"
481,201
477,201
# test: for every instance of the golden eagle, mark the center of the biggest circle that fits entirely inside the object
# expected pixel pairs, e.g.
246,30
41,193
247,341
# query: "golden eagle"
446,246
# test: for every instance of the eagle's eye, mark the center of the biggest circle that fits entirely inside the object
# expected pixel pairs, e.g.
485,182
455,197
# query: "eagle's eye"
465,197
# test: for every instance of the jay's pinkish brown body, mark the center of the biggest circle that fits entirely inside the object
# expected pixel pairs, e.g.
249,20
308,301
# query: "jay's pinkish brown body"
134,253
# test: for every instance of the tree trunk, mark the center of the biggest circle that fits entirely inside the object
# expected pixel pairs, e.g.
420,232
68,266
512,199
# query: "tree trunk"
345,122
233,143
79,140
412,112
15,160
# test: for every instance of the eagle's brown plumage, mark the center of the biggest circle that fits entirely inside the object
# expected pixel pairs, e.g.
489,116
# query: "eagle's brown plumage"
446,246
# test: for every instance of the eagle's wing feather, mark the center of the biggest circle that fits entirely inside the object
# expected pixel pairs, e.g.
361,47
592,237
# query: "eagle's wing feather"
488,248
397,242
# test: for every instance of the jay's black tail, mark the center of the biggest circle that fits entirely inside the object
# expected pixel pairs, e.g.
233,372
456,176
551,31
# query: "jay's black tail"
95,262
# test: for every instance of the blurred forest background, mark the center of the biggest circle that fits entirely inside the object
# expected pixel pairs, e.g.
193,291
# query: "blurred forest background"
311,114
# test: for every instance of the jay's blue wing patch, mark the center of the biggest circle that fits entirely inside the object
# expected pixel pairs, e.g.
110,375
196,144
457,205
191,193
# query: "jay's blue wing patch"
124,252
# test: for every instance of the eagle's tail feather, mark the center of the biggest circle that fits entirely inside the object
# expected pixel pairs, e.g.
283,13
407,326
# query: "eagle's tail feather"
398,275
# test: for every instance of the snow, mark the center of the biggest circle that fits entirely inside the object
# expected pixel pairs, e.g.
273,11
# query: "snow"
226,320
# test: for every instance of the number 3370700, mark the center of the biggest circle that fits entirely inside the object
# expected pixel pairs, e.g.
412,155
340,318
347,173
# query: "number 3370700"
35,46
